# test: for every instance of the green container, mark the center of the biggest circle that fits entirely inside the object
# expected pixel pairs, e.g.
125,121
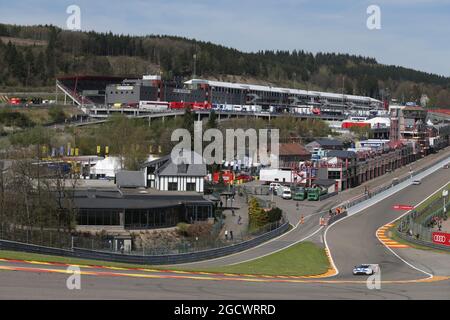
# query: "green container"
299,194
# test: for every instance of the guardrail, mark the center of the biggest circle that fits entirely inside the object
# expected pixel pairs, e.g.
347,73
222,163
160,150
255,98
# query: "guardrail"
146,259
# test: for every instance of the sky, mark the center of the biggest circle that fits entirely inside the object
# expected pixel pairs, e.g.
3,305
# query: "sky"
413,33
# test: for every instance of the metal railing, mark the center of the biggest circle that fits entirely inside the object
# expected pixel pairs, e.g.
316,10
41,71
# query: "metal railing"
105,243
420,225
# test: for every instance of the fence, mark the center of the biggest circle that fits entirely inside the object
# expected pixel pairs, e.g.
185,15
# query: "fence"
418,225
45,237
148,259
176,246
422,242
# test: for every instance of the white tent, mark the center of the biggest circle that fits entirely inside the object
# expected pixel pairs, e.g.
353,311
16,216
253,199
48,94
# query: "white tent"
107,167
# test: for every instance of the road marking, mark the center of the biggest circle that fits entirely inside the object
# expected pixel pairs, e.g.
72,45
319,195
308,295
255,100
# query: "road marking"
193,277
381,235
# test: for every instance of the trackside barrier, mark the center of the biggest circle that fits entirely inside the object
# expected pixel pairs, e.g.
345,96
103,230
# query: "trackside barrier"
336,217
328,195
147,259
32,248
422,242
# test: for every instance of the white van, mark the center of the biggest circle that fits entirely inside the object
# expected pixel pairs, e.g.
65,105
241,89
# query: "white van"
274,186
287,195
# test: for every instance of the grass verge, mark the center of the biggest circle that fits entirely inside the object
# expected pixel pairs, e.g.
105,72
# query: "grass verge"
302,259
438,194
19,255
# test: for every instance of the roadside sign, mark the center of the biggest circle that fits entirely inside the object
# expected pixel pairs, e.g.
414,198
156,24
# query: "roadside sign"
402,207
441,238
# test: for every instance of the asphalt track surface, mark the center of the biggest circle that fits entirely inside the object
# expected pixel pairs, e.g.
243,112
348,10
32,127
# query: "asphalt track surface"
351,241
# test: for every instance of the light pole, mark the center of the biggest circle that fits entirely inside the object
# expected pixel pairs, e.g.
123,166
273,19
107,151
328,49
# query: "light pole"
444,194
195,65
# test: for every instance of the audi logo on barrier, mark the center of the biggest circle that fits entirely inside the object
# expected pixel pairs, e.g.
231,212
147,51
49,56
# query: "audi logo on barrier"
441,238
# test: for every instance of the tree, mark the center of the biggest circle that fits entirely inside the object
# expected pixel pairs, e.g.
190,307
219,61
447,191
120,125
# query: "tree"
39,66
257,216
50,54
188,123
212,120
126,138
362,133
274,214
57,114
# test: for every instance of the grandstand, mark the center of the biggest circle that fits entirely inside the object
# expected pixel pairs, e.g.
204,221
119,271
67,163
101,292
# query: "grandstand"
86,90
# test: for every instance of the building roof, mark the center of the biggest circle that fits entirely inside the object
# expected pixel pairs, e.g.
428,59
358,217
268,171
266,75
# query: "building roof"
197,167
327,142
184,169
254,87
413,108
324,182
130,179
341,154
114,199
292,149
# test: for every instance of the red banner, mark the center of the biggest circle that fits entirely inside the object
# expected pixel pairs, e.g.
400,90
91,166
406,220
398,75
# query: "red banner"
402,207
441,238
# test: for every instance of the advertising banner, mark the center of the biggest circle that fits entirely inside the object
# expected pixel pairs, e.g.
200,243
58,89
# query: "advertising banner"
441,238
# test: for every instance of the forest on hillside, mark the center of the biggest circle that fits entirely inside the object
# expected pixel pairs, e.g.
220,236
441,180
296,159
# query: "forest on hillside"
52,52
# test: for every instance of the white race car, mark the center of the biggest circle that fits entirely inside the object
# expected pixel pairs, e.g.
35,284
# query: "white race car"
367,269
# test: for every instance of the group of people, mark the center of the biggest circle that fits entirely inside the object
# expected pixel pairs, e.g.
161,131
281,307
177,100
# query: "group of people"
436,221
229,234
336,212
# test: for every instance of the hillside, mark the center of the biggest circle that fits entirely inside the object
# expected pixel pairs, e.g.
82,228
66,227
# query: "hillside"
34,55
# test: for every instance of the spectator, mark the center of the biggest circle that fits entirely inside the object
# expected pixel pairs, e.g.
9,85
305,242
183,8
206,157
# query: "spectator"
226,234
231,234
239,220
